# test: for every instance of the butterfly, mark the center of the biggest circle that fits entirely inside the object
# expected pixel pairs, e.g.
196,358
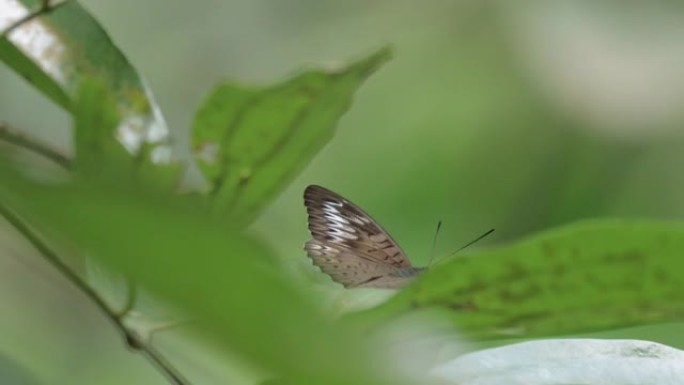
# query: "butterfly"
350,246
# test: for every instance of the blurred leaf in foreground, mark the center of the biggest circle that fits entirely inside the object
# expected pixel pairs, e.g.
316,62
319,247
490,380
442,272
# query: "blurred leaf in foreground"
220,279
588,276
56,50
97,152
250,142
95,118
13,373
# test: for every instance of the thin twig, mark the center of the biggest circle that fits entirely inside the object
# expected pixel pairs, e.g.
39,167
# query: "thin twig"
133,340
10,136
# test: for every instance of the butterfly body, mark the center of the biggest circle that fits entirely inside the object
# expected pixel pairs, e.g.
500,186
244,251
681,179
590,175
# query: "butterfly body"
350,246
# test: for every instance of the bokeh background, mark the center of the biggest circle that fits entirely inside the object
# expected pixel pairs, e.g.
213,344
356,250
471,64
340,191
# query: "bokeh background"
515,115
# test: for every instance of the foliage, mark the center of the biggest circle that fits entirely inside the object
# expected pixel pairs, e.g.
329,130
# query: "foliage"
119,204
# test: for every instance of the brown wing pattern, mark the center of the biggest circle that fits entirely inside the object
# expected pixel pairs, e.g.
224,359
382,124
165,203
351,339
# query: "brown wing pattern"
333,220
347,268
350,246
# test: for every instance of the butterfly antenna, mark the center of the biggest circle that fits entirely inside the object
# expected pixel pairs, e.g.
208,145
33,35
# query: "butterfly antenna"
473,241
434,243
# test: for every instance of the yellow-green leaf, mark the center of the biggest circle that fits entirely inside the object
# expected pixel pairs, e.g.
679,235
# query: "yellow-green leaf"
250,142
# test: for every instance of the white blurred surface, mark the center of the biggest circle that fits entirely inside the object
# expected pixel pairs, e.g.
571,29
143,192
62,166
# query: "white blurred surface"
569,361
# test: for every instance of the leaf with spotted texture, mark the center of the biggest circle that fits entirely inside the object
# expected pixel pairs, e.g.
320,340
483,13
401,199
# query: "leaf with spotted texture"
584,277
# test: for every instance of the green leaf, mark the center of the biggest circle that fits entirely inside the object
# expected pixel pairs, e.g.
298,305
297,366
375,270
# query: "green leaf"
13,373
221,279
250,142
56,50
98,154
588,276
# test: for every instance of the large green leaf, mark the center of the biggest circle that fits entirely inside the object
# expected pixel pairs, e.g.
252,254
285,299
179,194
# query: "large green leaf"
13,373
58,49
589,276
220,279
250,142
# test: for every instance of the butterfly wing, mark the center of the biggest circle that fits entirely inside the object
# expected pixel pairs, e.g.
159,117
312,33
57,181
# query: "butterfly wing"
349,269
350,246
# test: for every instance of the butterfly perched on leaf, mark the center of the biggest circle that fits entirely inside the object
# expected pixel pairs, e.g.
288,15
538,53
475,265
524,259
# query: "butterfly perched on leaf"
349,246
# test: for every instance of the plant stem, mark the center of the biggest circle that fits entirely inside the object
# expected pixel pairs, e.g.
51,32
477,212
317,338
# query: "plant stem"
131,338
10,136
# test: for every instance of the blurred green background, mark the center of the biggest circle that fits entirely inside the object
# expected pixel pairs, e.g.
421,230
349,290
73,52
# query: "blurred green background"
515,115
